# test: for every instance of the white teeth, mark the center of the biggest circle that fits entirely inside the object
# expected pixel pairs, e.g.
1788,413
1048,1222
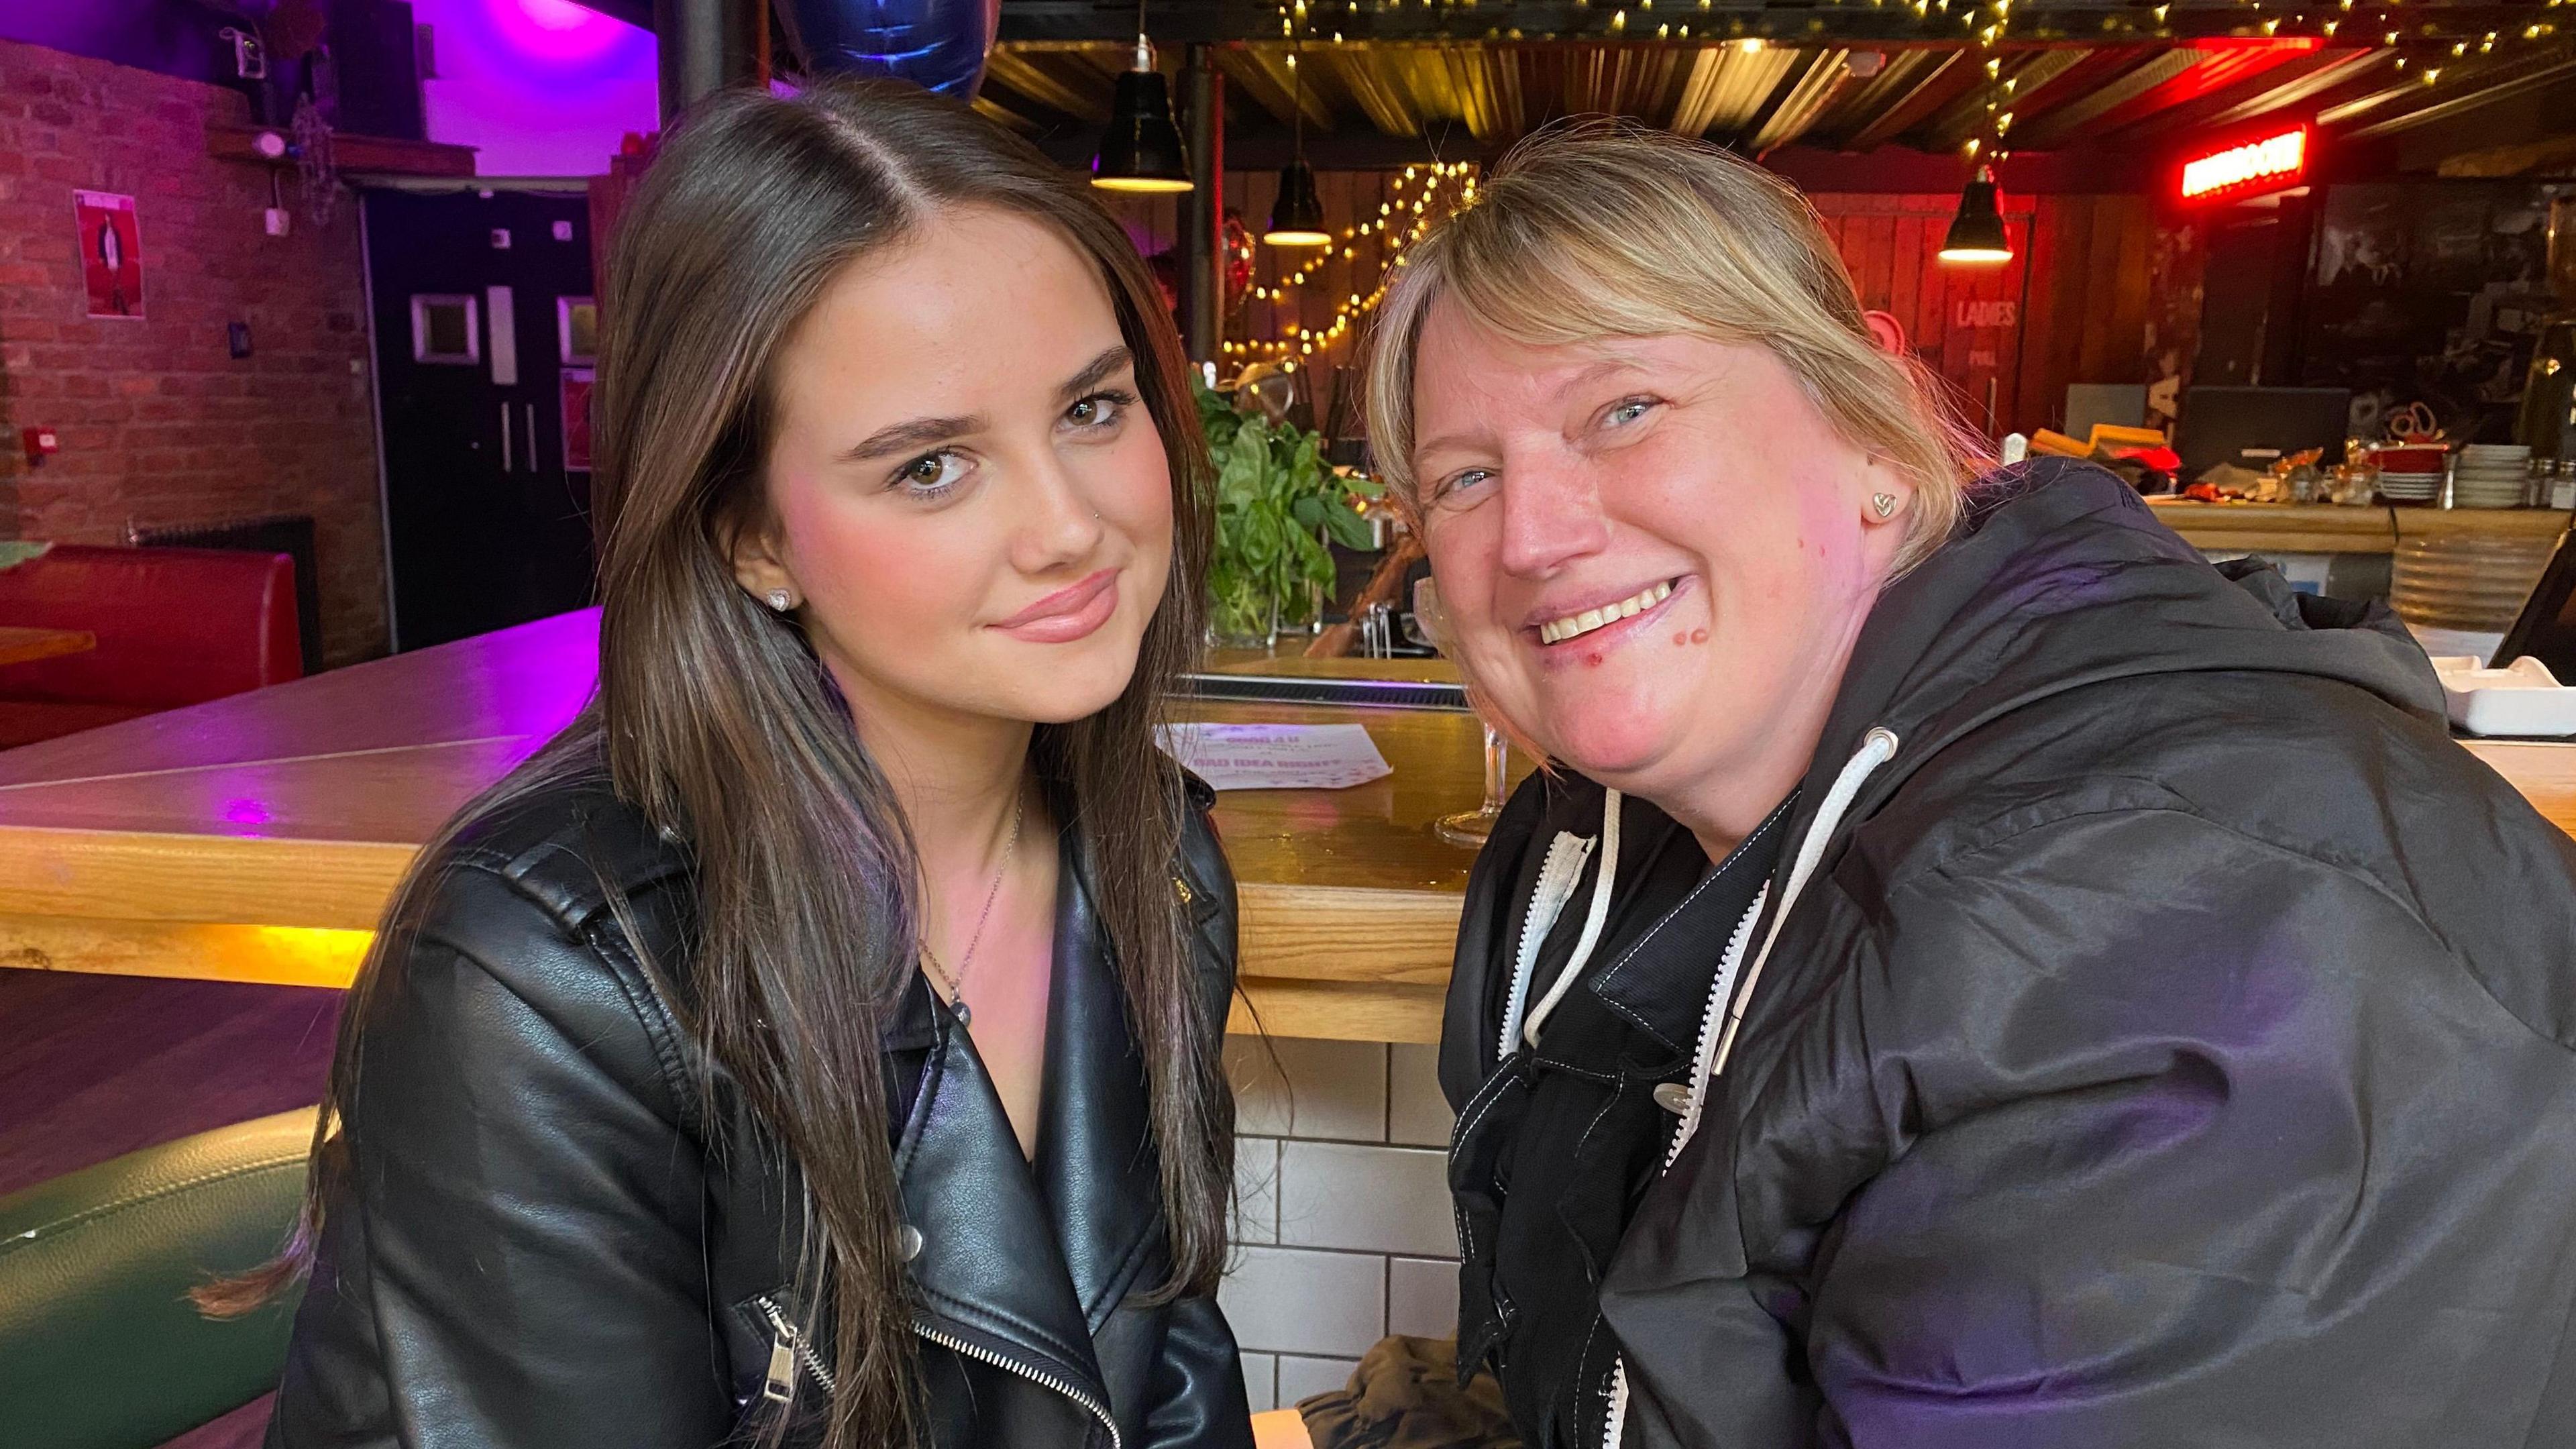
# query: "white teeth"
1557,631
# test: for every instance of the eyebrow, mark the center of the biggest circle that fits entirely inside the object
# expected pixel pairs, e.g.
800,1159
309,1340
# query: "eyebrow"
920,433
910,437
1099,370
1593,373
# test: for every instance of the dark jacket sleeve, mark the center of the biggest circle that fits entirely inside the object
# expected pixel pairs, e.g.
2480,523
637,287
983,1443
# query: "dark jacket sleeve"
1198,1383
513,1257
1198,1394
2131,1130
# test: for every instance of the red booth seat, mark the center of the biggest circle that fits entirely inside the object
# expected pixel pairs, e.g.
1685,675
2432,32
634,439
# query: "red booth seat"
175,626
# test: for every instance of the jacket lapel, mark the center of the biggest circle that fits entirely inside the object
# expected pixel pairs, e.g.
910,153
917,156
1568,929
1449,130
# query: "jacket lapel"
1106,1203
990,1272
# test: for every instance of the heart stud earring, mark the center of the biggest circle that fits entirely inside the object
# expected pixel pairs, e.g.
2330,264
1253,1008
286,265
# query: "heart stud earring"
1884,504
779,600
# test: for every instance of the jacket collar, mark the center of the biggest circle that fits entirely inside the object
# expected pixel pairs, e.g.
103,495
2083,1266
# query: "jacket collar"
1020,1258
1692,907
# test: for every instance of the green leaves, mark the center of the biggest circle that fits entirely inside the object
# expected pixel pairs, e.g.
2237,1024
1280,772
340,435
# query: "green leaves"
1276,503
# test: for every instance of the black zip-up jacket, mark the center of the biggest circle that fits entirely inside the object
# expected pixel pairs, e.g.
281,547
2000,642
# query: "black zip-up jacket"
2157,1032
553,1240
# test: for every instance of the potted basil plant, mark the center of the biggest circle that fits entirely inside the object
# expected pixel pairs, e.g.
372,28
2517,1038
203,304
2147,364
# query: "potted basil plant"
1277,505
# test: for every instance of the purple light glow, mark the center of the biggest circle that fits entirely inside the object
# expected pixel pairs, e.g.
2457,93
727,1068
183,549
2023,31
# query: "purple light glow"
540,87
560,29
557,14
246,812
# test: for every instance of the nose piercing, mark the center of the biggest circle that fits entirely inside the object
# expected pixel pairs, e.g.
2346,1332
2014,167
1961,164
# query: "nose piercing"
779,600
1884,503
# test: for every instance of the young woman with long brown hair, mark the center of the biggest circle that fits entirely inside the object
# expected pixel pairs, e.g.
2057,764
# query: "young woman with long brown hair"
818,1041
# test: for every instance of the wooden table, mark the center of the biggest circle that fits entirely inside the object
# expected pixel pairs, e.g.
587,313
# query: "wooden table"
21,646
2329,528
256,838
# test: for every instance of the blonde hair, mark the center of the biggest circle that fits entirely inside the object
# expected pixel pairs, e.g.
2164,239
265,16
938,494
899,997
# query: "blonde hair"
1606,229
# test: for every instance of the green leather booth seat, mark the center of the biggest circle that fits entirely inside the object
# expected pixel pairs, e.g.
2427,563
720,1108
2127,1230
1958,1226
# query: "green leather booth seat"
100,1347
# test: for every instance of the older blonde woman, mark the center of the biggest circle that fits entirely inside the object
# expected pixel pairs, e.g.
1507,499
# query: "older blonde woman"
1977,975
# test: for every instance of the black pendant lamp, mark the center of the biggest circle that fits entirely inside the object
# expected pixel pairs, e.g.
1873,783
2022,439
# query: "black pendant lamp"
1977,233
1297,217
1141,148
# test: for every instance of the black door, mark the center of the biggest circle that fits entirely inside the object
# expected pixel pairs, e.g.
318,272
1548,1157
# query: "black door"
483,330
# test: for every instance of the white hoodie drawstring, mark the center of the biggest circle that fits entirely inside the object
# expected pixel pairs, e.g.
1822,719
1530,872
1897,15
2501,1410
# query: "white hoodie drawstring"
1593,920
1716,1041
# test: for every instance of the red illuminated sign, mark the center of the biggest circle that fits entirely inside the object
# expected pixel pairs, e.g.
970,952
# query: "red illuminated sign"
2268,164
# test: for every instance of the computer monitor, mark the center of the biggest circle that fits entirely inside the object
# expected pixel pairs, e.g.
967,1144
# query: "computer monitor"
2546,627
2252,426
2121,404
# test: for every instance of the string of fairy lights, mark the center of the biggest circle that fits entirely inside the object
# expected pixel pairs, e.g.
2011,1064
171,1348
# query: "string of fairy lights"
2139,20
2416,31
1400,222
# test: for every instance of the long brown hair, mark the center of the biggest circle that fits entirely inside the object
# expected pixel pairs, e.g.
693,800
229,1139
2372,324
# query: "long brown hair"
715,719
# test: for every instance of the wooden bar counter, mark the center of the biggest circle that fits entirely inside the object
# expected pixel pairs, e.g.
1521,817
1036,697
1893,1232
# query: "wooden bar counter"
2329,528
256,838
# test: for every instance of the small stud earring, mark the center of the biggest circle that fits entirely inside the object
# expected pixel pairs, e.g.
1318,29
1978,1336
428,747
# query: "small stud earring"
1884,503
779,600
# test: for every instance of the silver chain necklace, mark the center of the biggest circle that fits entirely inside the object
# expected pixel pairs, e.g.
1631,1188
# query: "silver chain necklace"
956,983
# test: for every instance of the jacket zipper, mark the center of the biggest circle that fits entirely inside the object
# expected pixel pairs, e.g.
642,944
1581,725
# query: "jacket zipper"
1727,1000
787,1349
1098,1410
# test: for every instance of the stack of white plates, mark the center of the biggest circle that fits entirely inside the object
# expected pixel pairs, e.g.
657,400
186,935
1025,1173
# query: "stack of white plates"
2464,581
2490,475
2410,487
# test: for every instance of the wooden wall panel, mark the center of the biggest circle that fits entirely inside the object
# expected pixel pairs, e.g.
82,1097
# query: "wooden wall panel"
2072,306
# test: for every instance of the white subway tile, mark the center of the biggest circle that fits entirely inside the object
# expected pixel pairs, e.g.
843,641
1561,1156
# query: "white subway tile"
1422,1297
1261,1381
1333,1090
1260,1092
1256,1190
1416,1113
1301,1378
1365,1198
1281,1300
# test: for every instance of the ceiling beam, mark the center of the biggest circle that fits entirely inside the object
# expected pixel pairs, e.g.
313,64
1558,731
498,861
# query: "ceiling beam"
2490,85
1956,74
1727,88
2030,74
1378,98
1065,88
1900,73
1805,102
2082,111
1263,73
2258,95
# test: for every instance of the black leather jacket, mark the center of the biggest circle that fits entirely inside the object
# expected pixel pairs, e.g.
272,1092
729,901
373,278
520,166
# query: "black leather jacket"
542,1244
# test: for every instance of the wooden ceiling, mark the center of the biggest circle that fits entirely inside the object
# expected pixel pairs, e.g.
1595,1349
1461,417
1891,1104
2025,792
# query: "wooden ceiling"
1758,96
2135,78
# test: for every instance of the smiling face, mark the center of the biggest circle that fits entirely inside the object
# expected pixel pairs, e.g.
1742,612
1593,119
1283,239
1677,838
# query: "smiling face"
1654,554
969,507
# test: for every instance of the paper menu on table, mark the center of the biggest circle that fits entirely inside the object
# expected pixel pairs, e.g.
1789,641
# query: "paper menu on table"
1277,756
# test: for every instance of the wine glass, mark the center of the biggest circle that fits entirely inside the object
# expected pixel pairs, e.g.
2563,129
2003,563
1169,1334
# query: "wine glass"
1428,626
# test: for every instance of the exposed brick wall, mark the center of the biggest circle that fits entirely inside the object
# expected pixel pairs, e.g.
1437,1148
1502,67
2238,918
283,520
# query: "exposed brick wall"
159,423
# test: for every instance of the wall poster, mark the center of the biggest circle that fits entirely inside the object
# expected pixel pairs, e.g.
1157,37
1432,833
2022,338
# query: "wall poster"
111,253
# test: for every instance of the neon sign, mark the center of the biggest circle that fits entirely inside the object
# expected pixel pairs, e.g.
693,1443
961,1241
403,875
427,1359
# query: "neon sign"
2279,159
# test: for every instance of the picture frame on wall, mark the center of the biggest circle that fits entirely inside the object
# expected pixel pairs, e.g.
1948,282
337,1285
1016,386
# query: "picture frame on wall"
111,251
